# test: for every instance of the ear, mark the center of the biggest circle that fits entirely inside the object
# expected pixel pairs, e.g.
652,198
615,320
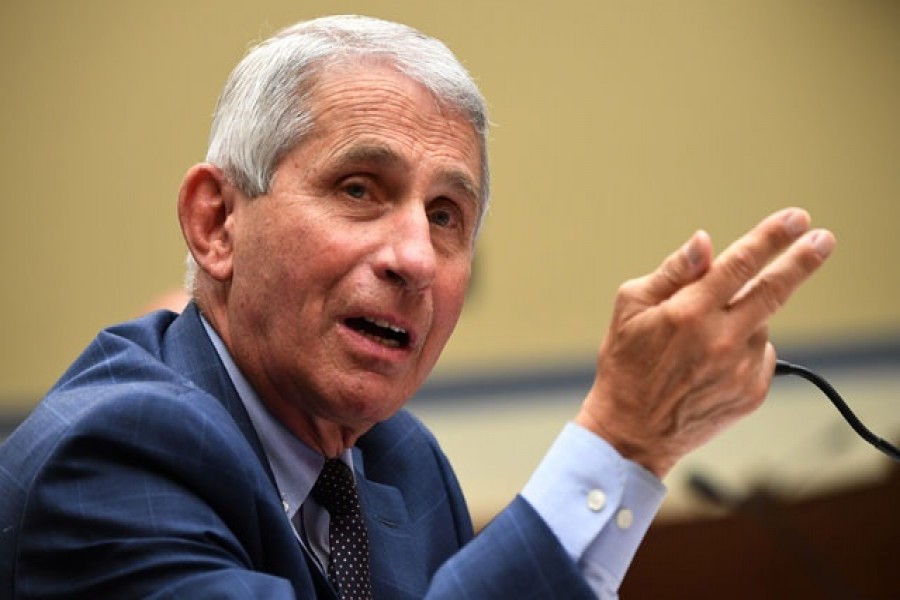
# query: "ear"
205,211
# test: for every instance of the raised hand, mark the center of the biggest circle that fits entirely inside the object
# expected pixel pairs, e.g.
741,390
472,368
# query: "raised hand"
687,352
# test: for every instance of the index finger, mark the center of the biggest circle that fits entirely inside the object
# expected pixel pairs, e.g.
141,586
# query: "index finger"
768,292
744,259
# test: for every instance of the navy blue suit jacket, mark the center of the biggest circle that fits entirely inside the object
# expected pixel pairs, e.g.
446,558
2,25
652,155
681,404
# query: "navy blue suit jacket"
140,475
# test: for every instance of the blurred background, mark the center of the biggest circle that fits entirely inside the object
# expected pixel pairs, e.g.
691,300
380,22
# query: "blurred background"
619,129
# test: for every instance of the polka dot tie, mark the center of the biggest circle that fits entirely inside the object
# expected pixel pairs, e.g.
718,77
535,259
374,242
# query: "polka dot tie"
348,565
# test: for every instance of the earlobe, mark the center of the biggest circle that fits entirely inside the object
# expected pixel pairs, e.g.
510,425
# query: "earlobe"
205,211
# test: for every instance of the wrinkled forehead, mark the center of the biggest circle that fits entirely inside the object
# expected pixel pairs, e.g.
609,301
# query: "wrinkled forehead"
337,72
327,70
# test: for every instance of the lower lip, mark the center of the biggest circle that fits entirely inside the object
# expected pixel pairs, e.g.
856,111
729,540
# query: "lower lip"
372,350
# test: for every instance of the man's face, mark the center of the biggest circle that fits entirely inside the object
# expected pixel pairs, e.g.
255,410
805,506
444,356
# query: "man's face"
349,276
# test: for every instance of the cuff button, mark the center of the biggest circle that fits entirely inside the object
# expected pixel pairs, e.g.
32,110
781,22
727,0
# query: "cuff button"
596,500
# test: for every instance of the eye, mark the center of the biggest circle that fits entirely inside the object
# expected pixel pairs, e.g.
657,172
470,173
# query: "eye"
441,218
446,214
355,190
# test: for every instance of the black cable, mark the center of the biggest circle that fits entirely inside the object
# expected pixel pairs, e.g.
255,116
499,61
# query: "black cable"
785,368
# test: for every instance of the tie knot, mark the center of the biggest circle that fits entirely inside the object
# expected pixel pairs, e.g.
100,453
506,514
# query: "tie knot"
335,489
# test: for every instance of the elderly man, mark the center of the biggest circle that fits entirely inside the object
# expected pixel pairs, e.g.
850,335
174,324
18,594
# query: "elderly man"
255,446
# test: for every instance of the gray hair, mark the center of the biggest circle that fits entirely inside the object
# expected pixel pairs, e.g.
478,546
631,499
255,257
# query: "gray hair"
264,112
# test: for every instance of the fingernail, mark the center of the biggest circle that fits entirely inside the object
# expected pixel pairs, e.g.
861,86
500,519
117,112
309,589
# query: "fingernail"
796,222
692,250
823,242
692,253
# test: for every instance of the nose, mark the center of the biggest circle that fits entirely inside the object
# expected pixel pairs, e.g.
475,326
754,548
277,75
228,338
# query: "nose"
408,256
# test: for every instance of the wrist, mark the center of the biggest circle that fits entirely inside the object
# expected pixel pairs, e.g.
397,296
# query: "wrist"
629,446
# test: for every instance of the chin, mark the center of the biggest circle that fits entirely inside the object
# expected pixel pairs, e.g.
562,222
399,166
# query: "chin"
371,408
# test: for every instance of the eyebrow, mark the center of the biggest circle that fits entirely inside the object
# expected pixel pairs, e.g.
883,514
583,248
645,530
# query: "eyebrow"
384,156
371,154
461,181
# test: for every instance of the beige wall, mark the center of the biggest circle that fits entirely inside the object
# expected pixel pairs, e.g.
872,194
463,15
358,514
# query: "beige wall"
620,128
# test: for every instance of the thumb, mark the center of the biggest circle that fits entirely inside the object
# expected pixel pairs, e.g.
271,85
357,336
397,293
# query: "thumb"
684,266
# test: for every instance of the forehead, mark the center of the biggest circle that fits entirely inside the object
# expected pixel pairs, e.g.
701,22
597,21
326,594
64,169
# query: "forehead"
370,109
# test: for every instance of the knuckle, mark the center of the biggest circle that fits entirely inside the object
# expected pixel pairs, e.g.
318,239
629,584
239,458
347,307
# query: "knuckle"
685,315
670,273
770,294
629,289
723,347
627,296
742,264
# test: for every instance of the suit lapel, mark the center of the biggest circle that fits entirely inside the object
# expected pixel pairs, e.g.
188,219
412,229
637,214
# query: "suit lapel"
189,350
396,572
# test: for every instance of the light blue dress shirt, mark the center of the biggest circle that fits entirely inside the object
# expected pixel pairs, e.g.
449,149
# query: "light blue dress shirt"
596,502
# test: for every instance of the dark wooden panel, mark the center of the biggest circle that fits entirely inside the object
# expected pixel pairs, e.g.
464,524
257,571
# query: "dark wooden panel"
845,545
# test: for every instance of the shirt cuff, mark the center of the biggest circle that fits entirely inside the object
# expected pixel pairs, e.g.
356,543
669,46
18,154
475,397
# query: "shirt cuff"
596,502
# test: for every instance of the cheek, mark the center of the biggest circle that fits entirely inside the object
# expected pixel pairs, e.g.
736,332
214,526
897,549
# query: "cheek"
449,302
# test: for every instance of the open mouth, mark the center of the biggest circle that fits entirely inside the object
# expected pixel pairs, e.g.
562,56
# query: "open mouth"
379,331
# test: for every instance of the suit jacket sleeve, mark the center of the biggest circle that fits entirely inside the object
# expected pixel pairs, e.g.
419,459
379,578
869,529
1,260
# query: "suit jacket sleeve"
515,556
141,498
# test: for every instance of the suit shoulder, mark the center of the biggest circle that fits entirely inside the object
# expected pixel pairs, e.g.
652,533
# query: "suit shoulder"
130,351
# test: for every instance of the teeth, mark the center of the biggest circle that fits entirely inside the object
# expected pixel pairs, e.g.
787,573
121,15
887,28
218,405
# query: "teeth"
383,341
385,325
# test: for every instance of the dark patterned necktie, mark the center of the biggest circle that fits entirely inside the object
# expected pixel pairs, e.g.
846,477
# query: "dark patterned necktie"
348,565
